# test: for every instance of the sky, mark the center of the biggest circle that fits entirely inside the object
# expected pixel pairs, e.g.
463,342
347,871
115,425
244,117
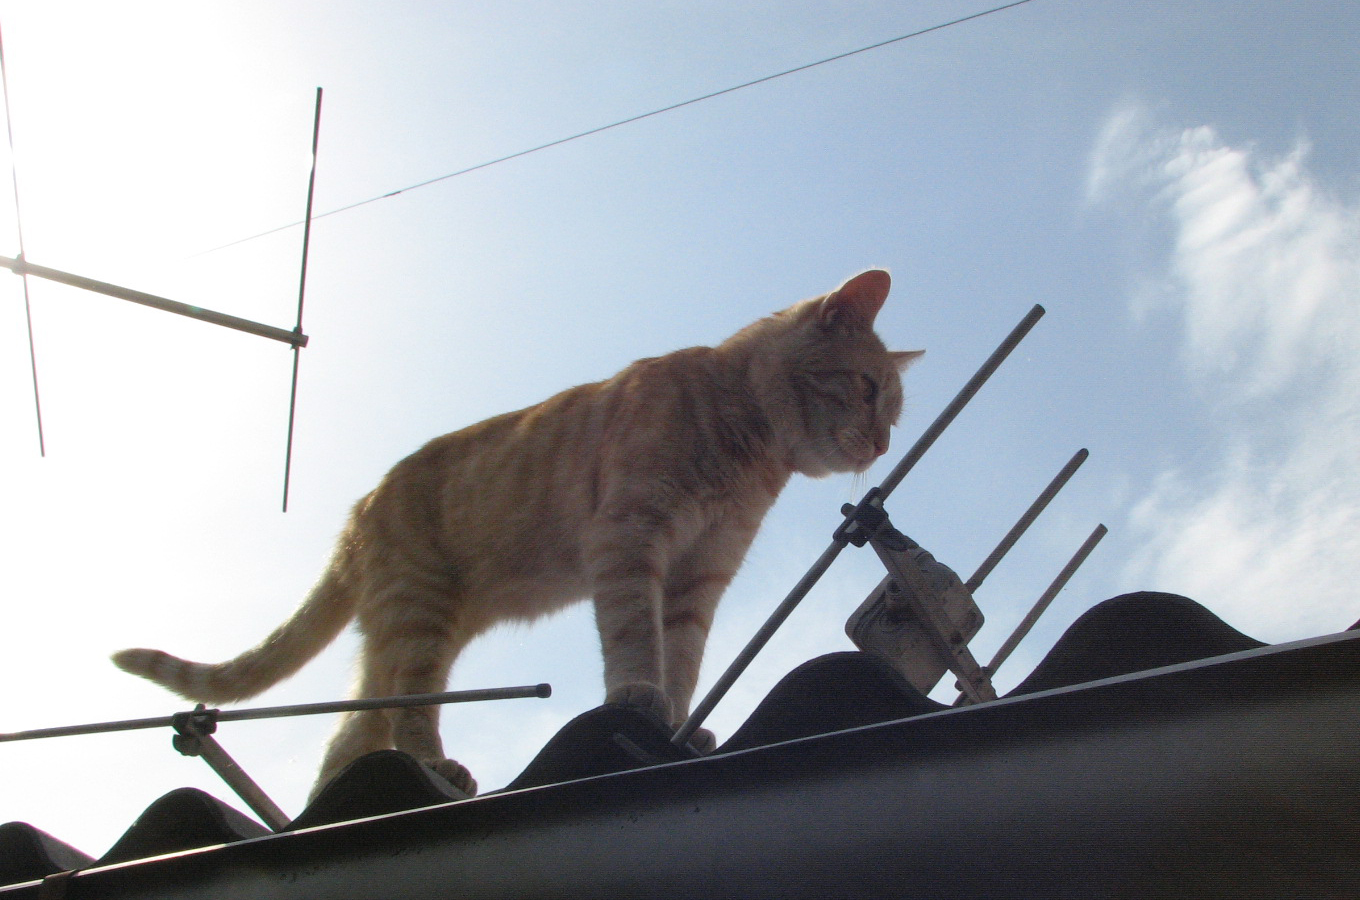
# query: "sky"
1177,184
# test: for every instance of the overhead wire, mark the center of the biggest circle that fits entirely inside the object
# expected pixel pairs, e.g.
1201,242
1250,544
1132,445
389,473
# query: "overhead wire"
628,121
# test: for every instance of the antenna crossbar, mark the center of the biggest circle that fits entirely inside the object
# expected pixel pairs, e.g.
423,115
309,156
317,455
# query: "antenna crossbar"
20,266
301,709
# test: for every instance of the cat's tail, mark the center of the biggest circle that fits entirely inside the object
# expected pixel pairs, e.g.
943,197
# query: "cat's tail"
322,616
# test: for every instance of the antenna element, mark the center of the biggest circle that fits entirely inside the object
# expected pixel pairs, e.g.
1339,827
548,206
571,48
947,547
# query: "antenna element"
302,291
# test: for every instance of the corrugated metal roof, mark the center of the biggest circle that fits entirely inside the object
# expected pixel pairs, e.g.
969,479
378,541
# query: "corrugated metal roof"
1219,767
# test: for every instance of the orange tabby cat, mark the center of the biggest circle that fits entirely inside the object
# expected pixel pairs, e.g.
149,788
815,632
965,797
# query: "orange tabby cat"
643,491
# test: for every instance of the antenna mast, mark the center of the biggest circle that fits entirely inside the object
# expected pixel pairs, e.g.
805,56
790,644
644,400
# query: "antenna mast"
302,291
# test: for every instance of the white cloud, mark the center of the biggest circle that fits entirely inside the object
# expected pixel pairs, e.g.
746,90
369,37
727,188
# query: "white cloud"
1265,269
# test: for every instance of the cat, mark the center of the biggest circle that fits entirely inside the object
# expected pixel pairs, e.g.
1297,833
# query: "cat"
643,491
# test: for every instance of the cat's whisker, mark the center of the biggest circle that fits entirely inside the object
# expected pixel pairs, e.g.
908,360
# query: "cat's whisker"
858,482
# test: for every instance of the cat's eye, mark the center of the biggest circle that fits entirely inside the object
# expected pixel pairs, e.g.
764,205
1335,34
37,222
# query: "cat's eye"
870,389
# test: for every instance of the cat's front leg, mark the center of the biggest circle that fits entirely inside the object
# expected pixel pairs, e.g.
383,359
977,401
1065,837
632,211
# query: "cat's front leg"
694,585
628,613
691,598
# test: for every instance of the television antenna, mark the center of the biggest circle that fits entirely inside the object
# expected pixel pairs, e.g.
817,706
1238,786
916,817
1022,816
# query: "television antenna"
922,616
294,337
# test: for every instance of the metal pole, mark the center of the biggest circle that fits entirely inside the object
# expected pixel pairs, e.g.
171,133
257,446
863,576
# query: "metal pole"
311,709
302,292
305,709
956,405
757,642
236,778
1026,520
23,267
800,590
1042,603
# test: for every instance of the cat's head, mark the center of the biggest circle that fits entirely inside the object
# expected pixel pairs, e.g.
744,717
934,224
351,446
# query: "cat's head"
828,386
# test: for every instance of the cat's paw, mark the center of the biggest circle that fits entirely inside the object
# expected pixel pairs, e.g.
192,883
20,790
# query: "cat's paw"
703,741
455,773
643,695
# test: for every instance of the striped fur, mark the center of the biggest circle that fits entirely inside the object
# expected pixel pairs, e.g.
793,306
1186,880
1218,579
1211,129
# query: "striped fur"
643,492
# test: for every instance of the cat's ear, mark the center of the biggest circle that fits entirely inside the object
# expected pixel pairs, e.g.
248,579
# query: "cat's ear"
903,359
857,302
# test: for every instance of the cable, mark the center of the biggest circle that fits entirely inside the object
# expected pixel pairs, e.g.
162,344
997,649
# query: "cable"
627,121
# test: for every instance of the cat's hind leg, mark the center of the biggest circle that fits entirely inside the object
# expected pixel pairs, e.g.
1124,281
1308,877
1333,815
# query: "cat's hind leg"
416,644
358,733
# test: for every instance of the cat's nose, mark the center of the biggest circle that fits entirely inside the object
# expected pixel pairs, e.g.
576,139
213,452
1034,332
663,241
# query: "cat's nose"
880,445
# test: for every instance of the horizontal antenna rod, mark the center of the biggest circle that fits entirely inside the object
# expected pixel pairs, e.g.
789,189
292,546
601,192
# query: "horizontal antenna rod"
22,267
943,420
1040,605
304,709
1022,525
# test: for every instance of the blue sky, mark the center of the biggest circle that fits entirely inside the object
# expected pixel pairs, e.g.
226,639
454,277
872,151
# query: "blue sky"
1178,184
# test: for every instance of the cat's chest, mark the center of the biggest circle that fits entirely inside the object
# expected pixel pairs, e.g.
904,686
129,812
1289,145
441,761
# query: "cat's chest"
719,516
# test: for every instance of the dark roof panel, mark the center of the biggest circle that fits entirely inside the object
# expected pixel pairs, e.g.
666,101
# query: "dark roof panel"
1227,776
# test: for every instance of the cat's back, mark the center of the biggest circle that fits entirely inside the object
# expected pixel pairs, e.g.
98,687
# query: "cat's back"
685,417
648,397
